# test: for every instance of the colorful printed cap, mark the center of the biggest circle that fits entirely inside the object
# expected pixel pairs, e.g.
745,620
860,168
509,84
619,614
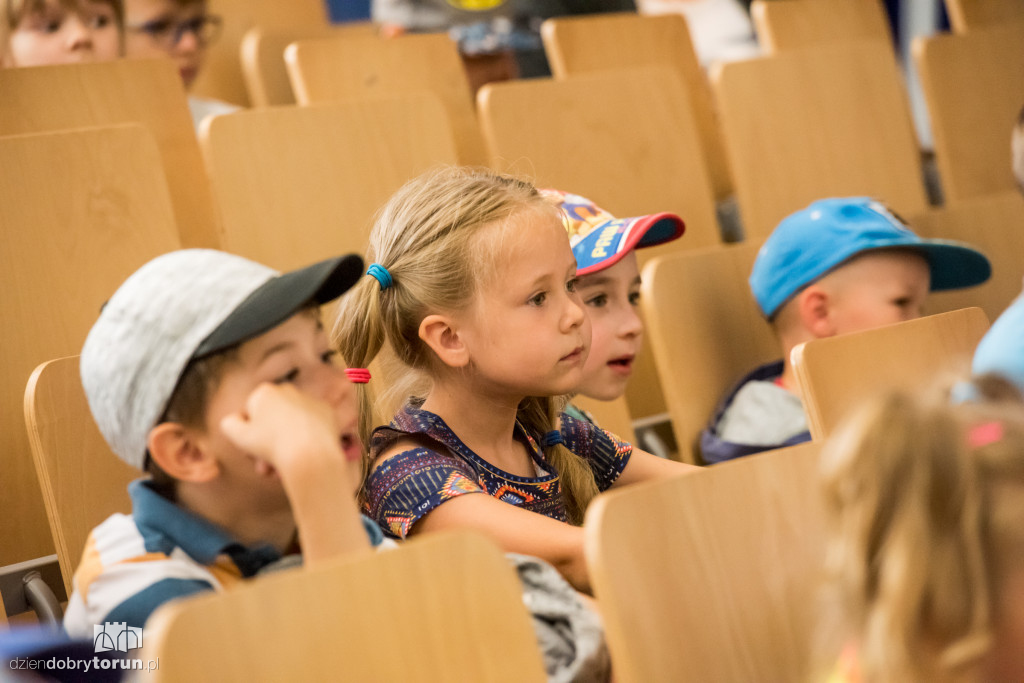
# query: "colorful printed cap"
600,240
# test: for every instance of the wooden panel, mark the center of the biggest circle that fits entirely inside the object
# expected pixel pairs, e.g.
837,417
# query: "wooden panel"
970,15
82,481
335,70
712,576
221,75
47,98
838,373
791,24
816,123
300,184
974,87
579,45
446,607
993,224
584,135
706,332
263,67
82,210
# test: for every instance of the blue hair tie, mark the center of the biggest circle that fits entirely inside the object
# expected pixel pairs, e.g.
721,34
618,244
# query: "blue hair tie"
551,438
381,275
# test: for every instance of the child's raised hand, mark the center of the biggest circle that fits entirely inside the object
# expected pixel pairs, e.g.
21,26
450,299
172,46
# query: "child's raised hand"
280,426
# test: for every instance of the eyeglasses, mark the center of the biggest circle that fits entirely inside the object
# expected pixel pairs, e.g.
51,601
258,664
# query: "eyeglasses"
168,33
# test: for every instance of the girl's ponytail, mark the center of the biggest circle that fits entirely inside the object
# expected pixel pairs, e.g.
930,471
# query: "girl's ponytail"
540,416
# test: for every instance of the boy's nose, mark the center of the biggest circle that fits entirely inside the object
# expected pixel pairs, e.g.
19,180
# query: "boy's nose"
79,35
187,42
632,325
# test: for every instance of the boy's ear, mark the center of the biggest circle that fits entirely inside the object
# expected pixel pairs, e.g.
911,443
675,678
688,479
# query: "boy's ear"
814,308
176,450
440,334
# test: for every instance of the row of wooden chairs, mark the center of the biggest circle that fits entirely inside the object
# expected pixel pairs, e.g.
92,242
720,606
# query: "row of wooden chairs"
730,556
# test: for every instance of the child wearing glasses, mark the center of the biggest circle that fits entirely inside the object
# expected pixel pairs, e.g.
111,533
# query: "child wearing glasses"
181,30
41,32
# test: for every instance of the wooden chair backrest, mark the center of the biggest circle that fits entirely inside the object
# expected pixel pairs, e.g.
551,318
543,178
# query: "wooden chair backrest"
600,42
82,210
320,173
337,69
49,98
813,123
970,15
973,84
263,67
583,135
453,601
706,332
712,576
995,225
787,24
836,374
221,76
82,481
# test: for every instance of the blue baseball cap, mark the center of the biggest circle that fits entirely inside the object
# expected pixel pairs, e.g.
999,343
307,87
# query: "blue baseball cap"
808,244
1001,350
600,240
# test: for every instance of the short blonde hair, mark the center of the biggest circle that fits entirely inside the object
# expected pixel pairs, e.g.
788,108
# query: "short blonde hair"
426,237
926,512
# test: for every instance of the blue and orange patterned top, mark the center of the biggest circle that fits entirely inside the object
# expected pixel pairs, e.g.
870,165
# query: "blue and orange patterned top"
412,483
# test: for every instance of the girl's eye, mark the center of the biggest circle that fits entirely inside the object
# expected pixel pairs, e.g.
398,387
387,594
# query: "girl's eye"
538,299
571,285
598,301
902,302
52,26
327,357
101,21
288,377
634,298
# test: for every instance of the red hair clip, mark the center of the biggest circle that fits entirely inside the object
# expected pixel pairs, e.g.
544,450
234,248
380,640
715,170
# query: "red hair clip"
358,375
984,434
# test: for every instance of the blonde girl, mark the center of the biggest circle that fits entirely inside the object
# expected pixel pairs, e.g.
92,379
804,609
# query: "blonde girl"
926,505
472,288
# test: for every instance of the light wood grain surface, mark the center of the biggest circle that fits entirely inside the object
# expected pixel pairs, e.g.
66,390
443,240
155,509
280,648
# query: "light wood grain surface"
150,92
334,70
815,123
712,576
82,210
601,42
836,374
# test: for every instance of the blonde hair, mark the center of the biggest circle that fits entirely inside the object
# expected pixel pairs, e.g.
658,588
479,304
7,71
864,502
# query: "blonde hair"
425,237
926,506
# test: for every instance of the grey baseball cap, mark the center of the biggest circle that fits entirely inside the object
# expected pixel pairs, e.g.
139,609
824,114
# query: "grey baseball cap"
180,306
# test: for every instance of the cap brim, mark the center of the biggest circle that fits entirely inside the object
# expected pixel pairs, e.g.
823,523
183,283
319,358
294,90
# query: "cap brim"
643,231
955,265
280,297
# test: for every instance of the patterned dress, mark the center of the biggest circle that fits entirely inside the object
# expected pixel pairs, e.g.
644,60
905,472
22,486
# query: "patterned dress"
414,482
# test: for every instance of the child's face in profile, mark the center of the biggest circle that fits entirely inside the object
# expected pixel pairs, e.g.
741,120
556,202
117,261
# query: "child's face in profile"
163,28
611,297
57,34
877,288
296,352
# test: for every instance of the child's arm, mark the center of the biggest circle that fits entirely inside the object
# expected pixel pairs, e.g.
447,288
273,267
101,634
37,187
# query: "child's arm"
643,466
295,436
516,530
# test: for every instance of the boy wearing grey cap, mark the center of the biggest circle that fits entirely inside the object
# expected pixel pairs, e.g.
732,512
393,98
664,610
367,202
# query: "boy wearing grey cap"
214,374
841,265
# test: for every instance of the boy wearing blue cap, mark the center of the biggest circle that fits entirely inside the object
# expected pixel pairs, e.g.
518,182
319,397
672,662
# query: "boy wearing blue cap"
214,375
609,285
840,265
